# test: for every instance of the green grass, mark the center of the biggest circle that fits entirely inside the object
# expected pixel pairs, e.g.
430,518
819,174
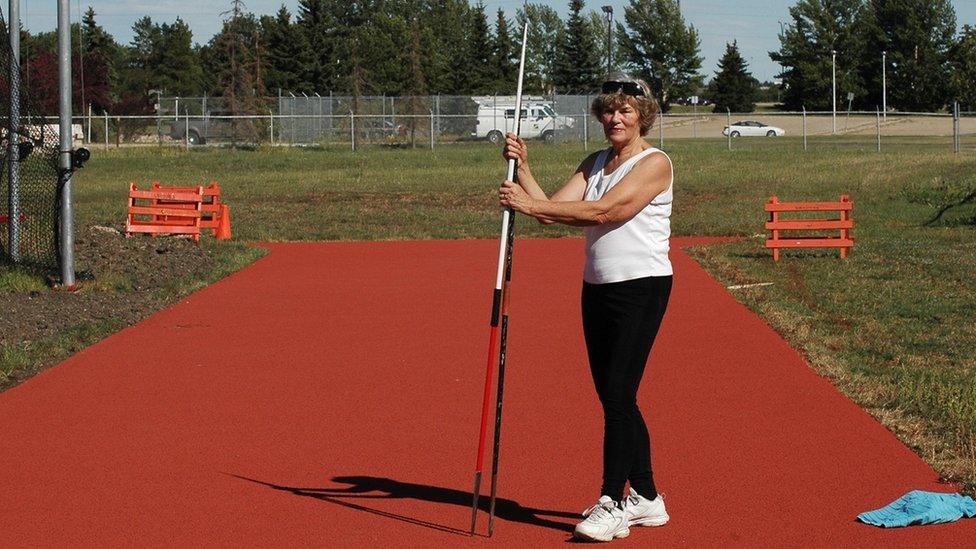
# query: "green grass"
891,325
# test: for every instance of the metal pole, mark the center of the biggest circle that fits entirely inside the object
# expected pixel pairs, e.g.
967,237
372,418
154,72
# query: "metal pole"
694,120
352,129
660,128
186,130
67,210
884,83
728,124
431,129
586,131
271,116
106,130
833,69
956,138
804,127
89,120
879,130
13,167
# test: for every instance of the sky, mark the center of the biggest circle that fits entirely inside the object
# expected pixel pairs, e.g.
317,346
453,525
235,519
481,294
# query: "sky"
755,24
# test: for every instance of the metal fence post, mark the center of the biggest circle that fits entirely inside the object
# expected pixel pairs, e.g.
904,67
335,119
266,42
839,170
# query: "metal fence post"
352,128
804,127
106,130
585,128
660,128
956,137
432,129
728,126
879,127
271,117
88,119
67,202
186,129
13,167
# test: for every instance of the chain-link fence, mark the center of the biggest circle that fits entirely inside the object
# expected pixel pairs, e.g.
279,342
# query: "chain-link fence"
29,175
429,121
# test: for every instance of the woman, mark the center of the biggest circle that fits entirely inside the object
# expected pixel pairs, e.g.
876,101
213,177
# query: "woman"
622,198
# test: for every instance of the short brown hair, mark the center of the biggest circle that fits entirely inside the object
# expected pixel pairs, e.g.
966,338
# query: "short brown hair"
647,107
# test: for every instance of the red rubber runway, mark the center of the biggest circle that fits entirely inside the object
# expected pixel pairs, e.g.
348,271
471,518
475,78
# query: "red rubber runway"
330,395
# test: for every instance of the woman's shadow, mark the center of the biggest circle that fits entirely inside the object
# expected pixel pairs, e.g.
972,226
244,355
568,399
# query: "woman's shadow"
366,487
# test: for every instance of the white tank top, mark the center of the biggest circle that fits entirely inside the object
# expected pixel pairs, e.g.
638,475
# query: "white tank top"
637,247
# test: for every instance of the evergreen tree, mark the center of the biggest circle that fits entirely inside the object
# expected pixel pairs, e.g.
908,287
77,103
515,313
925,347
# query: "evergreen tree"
478,46
138,74
177,67
288,54
453,19
504,54
733,88
546,31
238,63
660,48
577,68
317,24
963,59
918,36
818,28
102,56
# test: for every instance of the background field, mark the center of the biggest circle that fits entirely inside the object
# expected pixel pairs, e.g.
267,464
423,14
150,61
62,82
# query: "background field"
891,325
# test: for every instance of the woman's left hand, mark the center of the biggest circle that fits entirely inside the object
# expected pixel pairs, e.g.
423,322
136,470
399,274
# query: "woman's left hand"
512,195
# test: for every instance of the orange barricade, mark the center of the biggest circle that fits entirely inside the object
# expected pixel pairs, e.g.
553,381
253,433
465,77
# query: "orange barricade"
844,224
210,205
178,210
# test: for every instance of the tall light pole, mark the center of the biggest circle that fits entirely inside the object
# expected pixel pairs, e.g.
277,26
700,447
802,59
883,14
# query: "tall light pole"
833,69
884,84
67,207
609,11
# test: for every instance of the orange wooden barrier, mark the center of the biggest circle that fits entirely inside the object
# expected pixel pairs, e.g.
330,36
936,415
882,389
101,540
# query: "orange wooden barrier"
210,206
181,219
177,210
843,224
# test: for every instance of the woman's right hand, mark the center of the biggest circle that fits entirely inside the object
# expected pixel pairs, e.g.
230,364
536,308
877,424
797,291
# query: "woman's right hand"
515,149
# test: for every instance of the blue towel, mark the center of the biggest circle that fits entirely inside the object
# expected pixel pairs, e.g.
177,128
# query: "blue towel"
918,507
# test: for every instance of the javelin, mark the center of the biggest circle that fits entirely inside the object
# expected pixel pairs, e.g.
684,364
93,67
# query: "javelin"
499,308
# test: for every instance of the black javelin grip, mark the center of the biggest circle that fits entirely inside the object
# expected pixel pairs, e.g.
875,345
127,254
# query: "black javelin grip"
502,355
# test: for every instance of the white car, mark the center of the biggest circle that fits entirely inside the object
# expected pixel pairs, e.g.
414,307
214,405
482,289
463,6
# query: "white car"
753,128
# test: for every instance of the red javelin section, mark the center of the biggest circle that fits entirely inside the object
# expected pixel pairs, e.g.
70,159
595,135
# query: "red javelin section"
330,395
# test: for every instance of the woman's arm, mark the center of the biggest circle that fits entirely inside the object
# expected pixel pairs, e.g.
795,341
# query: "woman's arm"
648,178
573,189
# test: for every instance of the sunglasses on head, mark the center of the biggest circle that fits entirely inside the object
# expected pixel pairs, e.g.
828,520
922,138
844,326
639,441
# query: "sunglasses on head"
629,88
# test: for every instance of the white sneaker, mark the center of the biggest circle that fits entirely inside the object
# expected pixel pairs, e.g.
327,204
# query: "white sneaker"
641,511
604,521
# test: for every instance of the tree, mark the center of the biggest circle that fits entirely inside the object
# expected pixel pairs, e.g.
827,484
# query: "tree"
288,53
660,48
177,65
918,36
577,68
733,88
478,44
820,27
963,59
546,31
236,54
504,54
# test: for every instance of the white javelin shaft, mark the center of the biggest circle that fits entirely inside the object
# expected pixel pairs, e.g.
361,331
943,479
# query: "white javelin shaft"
503,243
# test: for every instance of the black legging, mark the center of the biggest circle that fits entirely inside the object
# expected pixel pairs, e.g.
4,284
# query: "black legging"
620,322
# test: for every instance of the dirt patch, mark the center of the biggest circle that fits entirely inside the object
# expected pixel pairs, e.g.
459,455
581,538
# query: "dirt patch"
121,281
